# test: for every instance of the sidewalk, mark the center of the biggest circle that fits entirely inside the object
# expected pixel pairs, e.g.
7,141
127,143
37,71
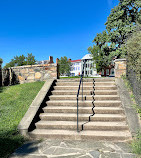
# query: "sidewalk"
73,149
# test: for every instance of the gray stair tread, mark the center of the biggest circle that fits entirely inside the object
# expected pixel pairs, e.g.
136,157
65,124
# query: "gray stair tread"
86,79
88,82
86,101
125,133
91,123
84,90
84,96
82,115
88,86
85,108
74,96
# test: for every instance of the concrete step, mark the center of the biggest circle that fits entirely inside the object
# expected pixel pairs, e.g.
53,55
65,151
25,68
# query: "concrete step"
85,83
82,117
87,97
99,103
72,125
85,92
83,110
83,135
87,80
85,87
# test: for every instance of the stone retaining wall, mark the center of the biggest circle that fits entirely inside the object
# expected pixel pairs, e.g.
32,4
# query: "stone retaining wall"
120,67
30,73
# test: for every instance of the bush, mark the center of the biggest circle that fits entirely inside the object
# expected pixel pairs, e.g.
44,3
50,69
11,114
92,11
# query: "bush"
134,53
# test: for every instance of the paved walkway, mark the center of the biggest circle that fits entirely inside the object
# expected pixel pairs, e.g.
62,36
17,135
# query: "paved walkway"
73,149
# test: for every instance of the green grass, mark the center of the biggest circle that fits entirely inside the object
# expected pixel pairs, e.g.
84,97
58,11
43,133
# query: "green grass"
14,102
136,144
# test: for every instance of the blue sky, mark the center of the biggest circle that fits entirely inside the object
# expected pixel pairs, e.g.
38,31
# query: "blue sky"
50,27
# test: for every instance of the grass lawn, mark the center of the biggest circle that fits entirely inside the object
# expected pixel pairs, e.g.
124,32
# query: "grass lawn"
14,102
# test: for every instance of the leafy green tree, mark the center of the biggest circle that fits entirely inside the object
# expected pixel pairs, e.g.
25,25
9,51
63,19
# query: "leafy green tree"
30,59
133,47
21,60
64,66
1,60
120,24
122,20
101,50
10,64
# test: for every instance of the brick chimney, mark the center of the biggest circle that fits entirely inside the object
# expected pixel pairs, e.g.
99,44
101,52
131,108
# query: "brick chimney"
57,60
50,59
69,59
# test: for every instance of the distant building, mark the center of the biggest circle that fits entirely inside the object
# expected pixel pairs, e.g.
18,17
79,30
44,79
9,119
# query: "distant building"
75,67
45,61
90,67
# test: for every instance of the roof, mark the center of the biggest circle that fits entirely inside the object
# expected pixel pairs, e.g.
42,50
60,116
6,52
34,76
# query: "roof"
76,60
87,56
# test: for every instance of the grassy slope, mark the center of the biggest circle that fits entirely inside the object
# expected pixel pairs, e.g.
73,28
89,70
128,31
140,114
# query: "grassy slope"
14,102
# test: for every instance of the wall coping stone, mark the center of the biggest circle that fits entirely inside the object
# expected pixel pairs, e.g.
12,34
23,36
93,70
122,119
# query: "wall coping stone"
119,60
34,107
30,66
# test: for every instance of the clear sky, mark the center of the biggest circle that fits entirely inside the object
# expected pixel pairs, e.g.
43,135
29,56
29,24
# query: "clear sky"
50,27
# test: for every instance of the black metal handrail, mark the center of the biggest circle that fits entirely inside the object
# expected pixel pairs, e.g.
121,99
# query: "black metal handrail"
81,81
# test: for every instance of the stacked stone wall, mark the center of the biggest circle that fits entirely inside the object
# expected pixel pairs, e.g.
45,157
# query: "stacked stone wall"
120,67
31,73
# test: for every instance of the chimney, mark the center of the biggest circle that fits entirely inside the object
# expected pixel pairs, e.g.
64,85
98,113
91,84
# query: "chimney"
50,59
69,59
57,60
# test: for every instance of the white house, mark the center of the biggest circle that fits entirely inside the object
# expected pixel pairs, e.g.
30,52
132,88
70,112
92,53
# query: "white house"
90,67
75,67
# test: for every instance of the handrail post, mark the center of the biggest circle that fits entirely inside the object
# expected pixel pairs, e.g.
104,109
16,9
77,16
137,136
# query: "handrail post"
77,117
82,89
81,80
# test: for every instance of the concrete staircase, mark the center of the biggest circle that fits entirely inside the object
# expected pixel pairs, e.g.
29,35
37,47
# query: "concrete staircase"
60,115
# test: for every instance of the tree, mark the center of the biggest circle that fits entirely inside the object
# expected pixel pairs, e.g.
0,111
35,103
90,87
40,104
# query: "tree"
120,24
1,60
64,66
21,60
101,50
133,47
30,59
122,20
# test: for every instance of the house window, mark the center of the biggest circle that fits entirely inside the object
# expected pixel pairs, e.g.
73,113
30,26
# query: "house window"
76,68
107,71
91,72
102,72
112,72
